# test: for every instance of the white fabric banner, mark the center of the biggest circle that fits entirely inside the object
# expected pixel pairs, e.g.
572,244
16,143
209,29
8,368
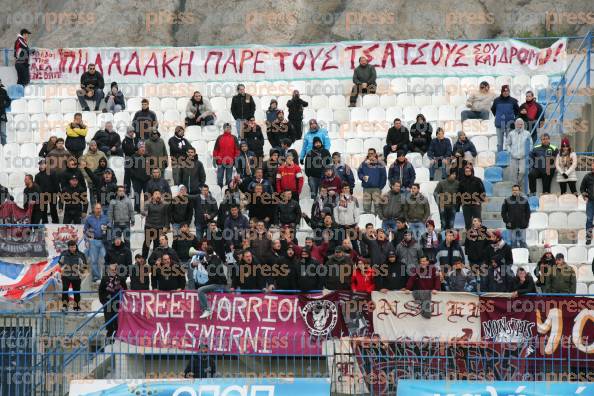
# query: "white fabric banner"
454,316
300,62
58,235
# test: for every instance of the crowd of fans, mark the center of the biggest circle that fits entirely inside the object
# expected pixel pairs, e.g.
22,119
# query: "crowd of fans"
247,240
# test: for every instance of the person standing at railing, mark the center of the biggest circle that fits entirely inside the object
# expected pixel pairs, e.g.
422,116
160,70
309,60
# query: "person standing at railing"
506,110
110,287
72,263
587,191
21,57
530,111
201,365
566,164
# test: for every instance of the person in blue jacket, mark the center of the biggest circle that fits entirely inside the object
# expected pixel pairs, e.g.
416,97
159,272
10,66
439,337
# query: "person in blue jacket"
402,171
314,131
466,146
440,151
372,174
343,171
506,111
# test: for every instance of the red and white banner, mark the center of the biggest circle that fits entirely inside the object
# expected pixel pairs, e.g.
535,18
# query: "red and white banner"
302,62
454,317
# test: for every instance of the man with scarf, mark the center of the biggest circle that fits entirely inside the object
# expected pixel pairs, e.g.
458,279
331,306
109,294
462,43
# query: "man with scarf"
109,295
531,112
21,57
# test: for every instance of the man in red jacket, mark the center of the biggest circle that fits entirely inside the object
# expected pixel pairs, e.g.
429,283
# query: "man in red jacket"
289,177
424,277
226,150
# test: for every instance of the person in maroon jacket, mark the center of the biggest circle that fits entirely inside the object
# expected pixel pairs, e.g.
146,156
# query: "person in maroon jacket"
226,150
424,277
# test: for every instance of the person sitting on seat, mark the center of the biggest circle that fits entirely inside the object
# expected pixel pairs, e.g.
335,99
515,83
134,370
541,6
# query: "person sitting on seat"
91,88
364,80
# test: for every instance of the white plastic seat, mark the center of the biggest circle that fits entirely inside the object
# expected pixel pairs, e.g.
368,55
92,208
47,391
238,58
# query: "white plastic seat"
558,220
409,113
218,103
428,187
168,104
319,102
440,100
539,81
376,114
521,255
548,203
584,274
337,102
556,249
154,103
180,105
52,106
422,100
354,146
392,113
447,113
325,114
399,85
577,255
481,143
359,114
550,237
133,104
372,143
405,100
68,106
581,288
422,175
342,115
479,172
339,145
387,100
538,221
576,220
370,101
416,159
89,118
107,117
468,84
567,202
485,159
34,106
430,112
18,106
451,85
366,218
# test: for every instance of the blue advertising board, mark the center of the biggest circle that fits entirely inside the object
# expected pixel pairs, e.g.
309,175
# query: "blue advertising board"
496,388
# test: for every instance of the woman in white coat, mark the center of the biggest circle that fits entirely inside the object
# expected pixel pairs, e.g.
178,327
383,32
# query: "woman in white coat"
566,163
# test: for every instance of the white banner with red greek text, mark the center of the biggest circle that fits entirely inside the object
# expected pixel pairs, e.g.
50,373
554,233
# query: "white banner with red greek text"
404,58
453,317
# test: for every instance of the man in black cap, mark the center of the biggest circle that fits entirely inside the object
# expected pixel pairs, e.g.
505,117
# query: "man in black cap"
21,57
561,278
392,275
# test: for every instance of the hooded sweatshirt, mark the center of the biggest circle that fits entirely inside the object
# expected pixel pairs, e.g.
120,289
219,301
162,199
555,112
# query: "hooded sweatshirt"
321,133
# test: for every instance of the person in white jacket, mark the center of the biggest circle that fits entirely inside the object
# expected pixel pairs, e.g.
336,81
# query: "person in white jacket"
517,139
347,212
566,163
199,111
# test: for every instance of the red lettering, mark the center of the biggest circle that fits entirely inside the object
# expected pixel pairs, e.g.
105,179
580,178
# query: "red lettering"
558,52
547,56
388,52
513,53
133,58
368,51
418,60
256,61
325,65
433,51
115,60
282,56
353,48
166,63
314,58
523,55
406,46
218,54
187,65
503,58
459,56
80,66
295,64
450,50
98,63
152,64
245,56
64,56
230,61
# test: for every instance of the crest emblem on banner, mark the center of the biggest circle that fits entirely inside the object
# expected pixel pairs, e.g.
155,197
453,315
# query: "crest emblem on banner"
320,317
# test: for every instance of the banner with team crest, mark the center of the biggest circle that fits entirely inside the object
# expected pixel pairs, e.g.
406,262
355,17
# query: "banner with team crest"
58,235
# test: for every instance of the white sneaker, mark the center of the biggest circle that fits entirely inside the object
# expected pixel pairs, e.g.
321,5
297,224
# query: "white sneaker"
205,314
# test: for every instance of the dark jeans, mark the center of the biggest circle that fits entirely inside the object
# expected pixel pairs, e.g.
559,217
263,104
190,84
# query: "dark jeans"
151,235
296,125
23,76
470,212
564,185
358,90
209,120
75,282
546,180
138,190
53,209
110,311
474,115
72,217
82,98
447,215
388,150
